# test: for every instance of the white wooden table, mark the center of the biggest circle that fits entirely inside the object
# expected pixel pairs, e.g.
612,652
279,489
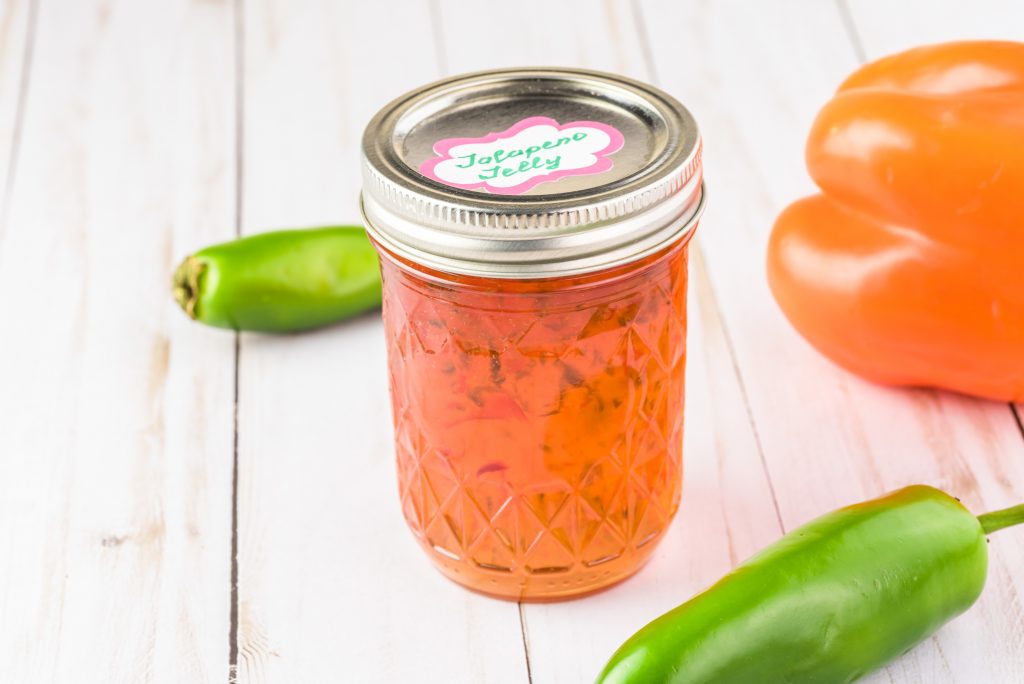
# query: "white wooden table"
180,504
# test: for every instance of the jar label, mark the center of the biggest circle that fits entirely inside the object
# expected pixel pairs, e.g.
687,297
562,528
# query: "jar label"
533,151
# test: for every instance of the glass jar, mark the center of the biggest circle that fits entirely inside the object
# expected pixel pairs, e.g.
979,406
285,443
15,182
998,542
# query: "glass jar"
536,325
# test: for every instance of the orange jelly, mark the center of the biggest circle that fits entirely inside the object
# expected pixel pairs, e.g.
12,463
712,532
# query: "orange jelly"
536,326
538,423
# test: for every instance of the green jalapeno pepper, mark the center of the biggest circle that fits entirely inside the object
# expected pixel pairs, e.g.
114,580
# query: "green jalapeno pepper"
829,602
283,281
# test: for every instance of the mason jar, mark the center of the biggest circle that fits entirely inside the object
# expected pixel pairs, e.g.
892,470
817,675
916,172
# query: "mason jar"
533,227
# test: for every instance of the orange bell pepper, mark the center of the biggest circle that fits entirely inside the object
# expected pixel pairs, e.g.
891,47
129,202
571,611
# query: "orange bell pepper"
908,268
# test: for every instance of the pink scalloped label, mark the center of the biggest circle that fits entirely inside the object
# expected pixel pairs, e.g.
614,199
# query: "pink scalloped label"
533,151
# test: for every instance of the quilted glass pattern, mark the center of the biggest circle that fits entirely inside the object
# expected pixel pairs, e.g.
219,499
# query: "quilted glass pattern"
538,424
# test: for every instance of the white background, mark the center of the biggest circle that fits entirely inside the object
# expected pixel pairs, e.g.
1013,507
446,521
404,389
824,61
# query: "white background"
178,504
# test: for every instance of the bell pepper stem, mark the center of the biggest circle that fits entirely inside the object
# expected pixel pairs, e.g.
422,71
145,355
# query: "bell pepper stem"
1001,519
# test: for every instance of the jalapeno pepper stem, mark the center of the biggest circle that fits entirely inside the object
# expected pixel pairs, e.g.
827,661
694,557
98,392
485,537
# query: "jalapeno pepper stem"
1001,519
186,284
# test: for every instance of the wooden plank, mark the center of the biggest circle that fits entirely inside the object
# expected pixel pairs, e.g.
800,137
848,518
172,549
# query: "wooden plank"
727,509
331,583
16,29
829,438
115,447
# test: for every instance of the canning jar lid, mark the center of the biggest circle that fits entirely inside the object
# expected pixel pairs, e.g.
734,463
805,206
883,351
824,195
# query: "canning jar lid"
531,173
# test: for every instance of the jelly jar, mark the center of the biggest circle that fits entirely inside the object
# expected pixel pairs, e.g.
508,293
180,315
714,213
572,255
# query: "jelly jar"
533,226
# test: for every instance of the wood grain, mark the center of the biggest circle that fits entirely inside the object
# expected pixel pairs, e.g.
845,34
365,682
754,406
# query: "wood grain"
115,449
332,586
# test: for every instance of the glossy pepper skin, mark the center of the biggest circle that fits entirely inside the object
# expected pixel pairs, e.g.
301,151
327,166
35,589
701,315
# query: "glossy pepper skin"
283,281
908,268
827,603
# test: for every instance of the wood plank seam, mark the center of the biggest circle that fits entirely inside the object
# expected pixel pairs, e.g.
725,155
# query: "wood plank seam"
526,642
239,73
19,113
1017,417
851,31
233,601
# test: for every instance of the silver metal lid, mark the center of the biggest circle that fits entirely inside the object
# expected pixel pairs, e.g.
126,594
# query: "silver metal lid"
531,173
